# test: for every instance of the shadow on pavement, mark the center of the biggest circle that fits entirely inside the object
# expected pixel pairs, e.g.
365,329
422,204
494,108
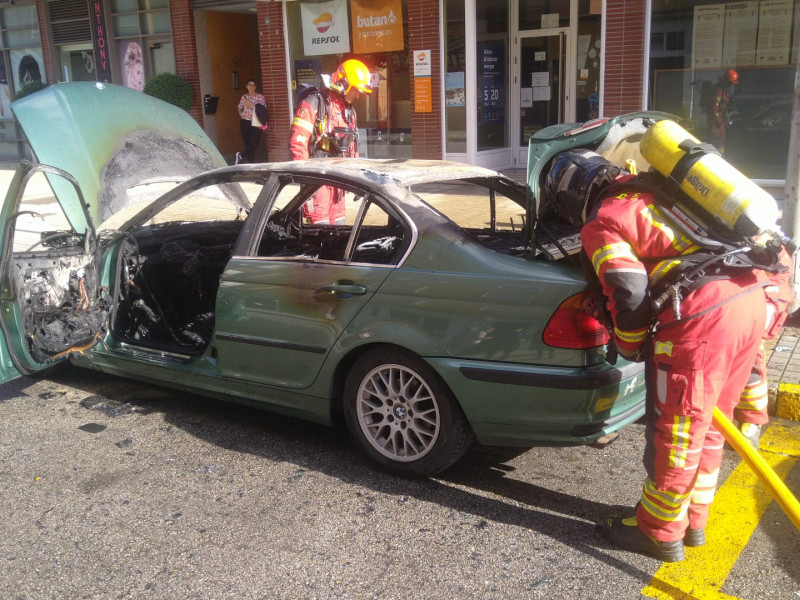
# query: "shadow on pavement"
478,485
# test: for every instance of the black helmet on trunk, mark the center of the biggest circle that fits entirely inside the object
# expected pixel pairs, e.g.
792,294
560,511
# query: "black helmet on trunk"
574,182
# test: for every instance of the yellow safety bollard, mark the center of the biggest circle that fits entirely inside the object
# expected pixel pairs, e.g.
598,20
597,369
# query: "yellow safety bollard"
777,489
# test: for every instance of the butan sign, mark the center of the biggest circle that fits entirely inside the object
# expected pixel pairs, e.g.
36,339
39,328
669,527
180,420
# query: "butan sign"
377,25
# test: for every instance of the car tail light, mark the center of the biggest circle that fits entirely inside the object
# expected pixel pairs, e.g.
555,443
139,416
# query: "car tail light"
574,325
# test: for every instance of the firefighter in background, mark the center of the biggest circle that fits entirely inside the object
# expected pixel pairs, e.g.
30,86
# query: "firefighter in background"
718,111
325,125
751,413
693,362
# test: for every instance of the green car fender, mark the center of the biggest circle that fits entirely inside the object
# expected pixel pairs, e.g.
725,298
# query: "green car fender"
362,335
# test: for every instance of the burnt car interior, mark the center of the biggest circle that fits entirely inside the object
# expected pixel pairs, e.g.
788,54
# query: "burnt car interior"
556,240
59,313
492,211
169,273
168,281
169,269
380,237
489,209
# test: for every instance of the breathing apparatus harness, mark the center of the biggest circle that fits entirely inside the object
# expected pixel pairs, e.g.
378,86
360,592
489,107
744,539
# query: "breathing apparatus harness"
724,253
337,141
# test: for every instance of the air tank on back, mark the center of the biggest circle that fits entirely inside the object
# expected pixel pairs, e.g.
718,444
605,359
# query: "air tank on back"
730,197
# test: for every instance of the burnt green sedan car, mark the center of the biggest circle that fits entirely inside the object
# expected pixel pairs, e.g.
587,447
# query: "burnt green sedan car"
427,319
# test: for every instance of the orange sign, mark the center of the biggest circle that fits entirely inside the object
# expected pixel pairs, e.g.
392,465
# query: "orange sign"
376,25
423,95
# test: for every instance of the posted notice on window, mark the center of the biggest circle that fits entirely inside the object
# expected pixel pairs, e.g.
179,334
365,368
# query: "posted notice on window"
774,31
741,32
709,27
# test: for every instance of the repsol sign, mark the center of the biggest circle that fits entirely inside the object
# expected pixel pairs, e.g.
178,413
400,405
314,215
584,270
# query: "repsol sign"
329,39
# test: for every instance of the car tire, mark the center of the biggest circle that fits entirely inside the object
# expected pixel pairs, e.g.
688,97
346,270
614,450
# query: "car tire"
402,414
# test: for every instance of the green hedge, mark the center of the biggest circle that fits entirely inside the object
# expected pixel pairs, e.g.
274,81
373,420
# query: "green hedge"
170,88
29,88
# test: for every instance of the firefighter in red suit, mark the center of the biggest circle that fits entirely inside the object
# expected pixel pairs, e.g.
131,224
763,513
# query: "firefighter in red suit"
698,350
751,412
325,125
720,105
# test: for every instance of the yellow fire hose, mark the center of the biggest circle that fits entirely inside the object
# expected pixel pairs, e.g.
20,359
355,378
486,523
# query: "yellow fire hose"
763,471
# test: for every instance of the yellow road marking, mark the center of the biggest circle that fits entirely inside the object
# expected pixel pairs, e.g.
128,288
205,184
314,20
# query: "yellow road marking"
738,506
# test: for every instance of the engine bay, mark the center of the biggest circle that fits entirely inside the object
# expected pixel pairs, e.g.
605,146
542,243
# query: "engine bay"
59,311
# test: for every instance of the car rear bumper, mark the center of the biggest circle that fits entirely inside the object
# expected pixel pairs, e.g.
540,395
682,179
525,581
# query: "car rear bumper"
528,405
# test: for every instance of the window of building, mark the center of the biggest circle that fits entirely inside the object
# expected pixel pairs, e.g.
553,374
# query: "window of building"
384,116
587,103
492,27
70,30
77,62
21,64
455,100
143,39
543,14
693,47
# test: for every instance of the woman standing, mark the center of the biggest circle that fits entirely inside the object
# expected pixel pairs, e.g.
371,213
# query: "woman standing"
253,115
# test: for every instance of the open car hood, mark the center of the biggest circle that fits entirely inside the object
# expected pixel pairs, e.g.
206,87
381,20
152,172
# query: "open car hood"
111,139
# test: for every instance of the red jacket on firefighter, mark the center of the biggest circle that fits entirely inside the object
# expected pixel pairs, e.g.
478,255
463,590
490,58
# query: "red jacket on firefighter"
694,361
325,125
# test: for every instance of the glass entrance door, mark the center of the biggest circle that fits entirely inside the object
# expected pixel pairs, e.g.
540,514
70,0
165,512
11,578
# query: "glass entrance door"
541,82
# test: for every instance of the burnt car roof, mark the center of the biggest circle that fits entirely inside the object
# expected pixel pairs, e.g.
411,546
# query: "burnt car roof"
404,171
382,173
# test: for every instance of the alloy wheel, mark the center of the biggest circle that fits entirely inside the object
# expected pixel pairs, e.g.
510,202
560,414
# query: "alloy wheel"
398,413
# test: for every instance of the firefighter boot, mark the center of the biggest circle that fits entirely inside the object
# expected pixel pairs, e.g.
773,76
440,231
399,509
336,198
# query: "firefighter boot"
694,537
624,533
752,433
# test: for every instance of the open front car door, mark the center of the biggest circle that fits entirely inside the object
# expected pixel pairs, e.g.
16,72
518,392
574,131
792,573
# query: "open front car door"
51,300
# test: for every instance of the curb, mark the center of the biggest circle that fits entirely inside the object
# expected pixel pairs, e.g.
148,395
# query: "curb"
787,402
783,372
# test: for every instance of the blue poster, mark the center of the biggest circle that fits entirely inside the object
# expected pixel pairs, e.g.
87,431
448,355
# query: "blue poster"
492,56
454,89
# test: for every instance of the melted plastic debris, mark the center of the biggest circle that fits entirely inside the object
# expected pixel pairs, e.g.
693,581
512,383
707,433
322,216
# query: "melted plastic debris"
92,427
111,408
52,395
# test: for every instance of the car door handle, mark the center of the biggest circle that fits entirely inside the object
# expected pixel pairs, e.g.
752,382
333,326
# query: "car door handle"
345,290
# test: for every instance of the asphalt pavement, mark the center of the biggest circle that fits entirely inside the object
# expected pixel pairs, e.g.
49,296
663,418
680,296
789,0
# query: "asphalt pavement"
112,489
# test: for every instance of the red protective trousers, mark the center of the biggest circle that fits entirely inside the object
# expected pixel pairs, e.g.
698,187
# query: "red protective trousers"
693,365
754,401
326,207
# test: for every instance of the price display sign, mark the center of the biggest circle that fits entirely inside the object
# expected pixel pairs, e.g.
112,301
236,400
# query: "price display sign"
493,59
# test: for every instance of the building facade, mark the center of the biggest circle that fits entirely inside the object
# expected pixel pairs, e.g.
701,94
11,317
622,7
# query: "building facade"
465,80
